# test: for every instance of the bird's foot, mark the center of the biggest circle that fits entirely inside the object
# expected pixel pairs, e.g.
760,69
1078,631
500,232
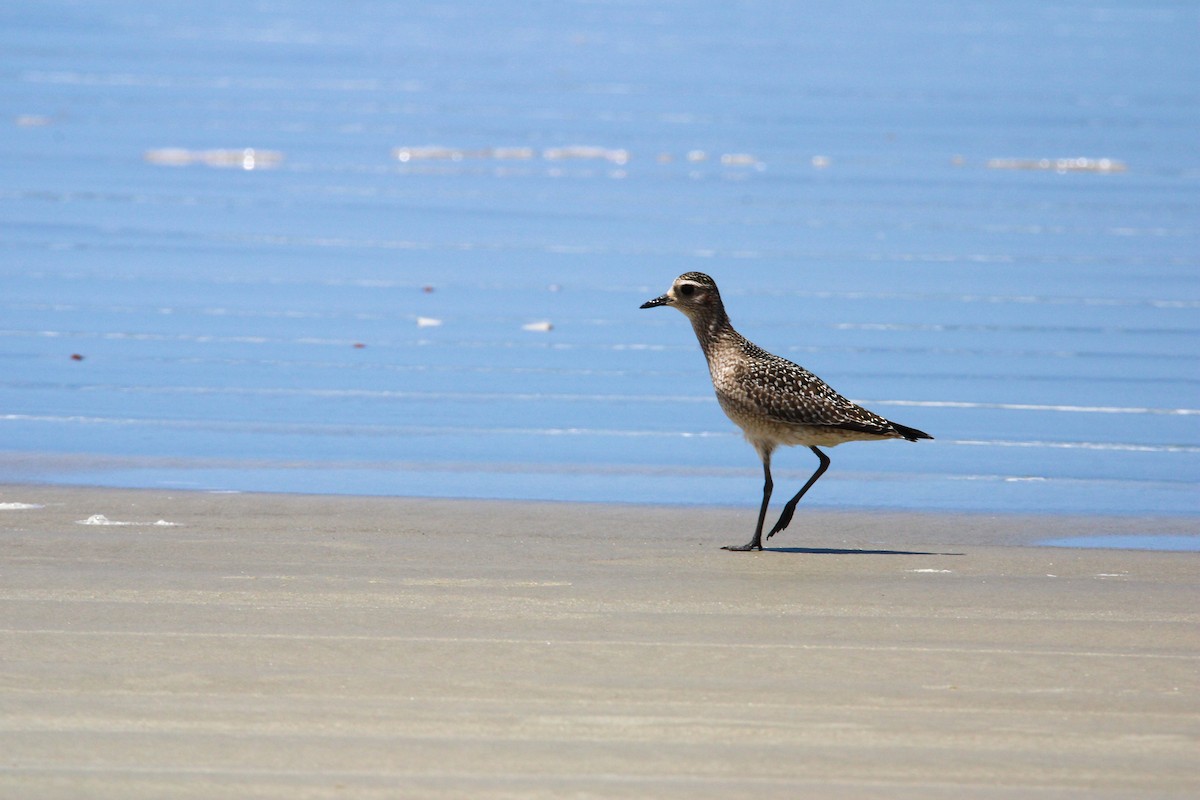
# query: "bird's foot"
784,520
745,548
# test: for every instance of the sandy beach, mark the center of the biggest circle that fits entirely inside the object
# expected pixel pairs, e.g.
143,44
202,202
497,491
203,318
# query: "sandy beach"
336,257
161,644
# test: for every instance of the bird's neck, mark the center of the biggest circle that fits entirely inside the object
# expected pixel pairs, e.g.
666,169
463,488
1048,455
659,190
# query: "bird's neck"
714,331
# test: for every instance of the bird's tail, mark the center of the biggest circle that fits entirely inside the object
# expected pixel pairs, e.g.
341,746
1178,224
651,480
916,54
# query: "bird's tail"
912,434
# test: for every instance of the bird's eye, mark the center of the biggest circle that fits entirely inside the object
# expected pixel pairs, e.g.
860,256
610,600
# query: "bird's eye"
687,290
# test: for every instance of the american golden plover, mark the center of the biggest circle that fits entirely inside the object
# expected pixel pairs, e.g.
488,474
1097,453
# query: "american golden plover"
772,400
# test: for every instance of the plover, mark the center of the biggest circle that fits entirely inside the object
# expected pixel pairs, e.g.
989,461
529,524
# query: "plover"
774,401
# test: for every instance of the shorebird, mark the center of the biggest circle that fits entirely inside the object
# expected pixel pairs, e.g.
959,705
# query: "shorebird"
774,401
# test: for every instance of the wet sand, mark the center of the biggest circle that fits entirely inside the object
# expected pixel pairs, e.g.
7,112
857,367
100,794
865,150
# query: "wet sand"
298,646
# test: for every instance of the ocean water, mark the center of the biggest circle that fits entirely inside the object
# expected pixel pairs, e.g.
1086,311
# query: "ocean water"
399,248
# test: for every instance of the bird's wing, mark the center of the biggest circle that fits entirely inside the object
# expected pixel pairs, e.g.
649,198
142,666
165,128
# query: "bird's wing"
788,393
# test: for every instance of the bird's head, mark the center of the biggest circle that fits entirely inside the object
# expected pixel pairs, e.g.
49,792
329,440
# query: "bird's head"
693,293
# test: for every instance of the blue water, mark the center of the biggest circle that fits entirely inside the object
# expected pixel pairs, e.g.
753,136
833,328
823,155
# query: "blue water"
1167,542
981,220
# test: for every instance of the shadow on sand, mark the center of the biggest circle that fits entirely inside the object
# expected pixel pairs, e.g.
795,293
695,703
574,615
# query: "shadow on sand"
838,551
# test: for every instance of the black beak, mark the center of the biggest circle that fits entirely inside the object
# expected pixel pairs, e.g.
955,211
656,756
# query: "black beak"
661,300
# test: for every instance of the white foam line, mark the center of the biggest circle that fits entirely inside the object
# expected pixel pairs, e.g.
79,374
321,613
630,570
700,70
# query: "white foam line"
1033,407
622,289
100,519
518,344
1114,446
419,430
494,640
302,428
391,394
996,299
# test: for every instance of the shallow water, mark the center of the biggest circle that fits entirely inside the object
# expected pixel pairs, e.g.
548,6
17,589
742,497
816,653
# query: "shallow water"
401,249
1169,542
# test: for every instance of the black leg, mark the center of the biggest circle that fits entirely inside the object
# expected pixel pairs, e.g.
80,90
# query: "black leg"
790,508
768,485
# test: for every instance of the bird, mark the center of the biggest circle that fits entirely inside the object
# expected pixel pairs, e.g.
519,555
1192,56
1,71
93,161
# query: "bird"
773,400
